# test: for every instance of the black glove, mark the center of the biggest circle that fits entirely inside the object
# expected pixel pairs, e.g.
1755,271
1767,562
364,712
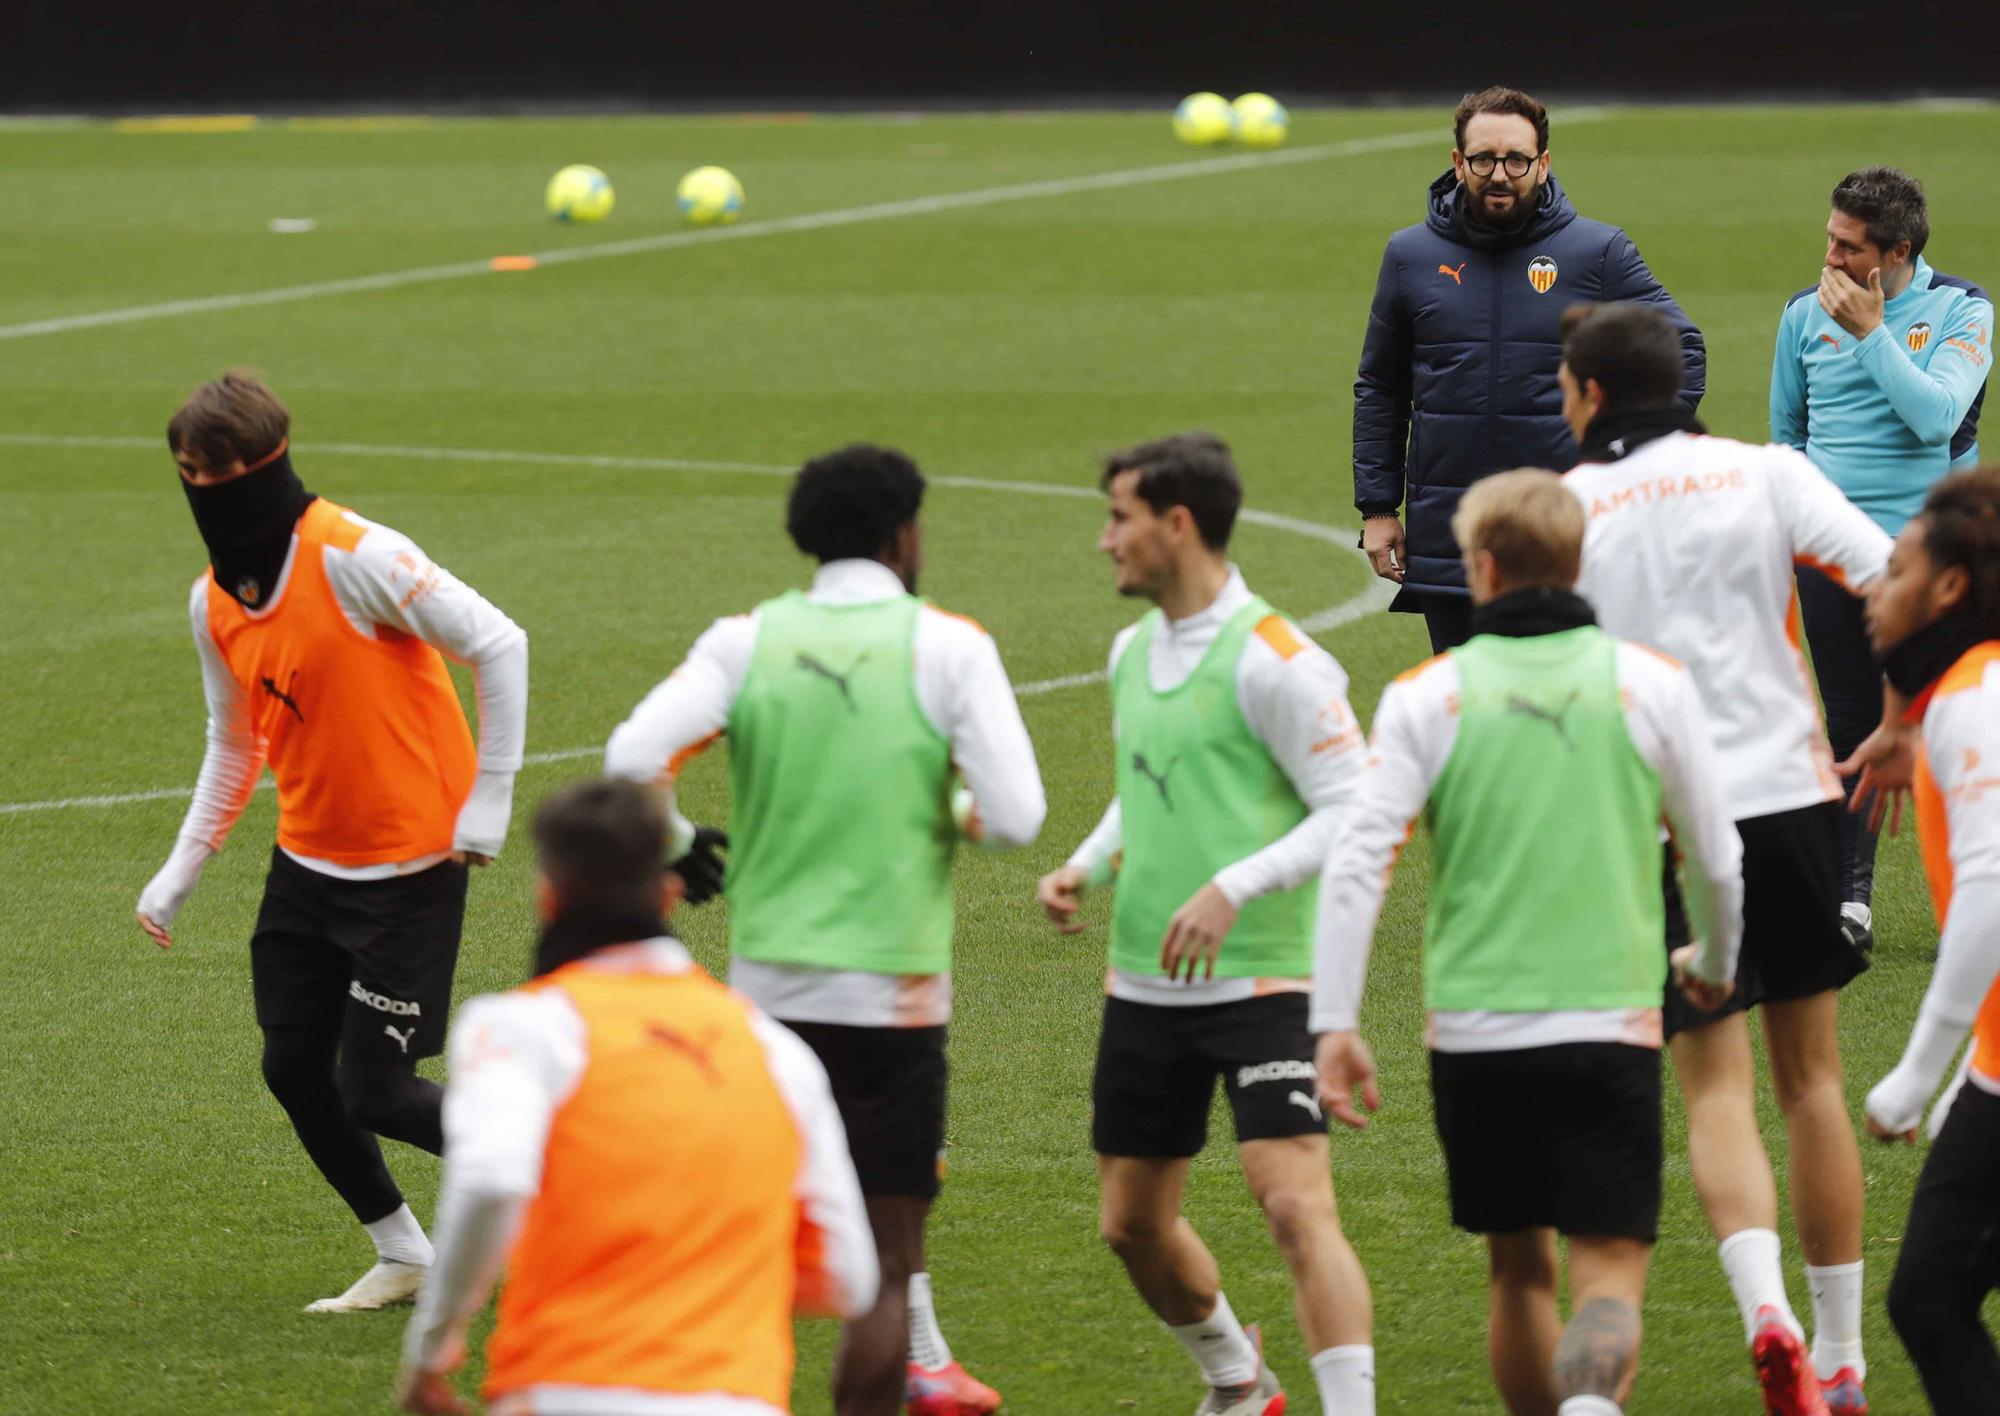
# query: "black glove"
701,868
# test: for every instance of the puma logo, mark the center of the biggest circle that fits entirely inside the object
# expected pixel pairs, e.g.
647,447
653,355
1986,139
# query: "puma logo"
1310,1103
402,1036
1454,274
1518,704
1158,779
1831,340
839,680
284,695
699,1054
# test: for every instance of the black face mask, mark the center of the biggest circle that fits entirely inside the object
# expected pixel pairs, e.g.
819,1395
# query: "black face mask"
247,524
581,931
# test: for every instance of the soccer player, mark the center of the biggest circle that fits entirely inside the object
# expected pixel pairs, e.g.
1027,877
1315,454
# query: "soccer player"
1541,753
1935,621
1878,375
670,1159
1691,548
1236,752
323,639
848,708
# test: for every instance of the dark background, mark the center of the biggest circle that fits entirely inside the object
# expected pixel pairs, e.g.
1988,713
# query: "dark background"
147,55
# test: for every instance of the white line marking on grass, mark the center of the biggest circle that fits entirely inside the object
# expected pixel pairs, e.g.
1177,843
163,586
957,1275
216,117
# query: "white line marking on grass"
1373,596
779,226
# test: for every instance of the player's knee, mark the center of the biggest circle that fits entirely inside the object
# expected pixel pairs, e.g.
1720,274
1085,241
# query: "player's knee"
376,1100
295,1070
1130,1234
1522,1265
1296,1215
1919,1301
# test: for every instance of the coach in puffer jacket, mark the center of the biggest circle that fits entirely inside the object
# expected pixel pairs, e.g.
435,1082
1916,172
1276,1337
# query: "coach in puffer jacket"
1458,368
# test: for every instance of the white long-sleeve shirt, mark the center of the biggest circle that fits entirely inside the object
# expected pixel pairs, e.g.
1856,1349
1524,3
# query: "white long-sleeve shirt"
1416,728
1691,548
1296,706
1961,747
384,582
515,1059
962,690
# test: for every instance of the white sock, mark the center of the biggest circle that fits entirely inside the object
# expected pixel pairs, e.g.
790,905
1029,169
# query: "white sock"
928,1348
1836,1300
1220,1347
1858,912
1757,1278
399,1239
1590,1406
1346,1377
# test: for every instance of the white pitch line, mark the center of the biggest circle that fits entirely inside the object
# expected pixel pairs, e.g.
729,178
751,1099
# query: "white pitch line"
779,226
1371,597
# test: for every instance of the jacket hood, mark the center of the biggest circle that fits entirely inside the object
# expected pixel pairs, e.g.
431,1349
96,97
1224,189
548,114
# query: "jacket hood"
1551,216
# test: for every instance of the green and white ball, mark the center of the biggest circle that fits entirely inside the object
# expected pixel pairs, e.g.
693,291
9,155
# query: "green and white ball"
710,195
1204,119
580,193
1261,121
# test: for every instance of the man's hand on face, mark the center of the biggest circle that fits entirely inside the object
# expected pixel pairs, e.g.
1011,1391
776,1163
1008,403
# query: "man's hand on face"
1855,308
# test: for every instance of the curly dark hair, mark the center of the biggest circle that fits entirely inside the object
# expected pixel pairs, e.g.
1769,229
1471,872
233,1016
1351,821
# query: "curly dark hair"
1962,528
847,505
1194,470
1891,202
1499,99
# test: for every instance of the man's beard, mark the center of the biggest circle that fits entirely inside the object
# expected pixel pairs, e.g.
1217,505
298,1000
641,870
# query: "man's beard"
1513,218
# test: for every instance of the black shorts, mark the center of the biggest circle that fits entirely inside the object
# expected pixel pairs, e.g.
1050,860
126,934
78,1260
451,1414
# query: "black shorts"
1156,1071
1565,1137
890,1085
1792,944
370,959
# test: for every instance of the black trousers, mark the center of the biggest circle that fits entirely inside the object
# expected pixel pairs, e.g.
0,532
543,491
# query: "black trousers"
1850,687
1950,1261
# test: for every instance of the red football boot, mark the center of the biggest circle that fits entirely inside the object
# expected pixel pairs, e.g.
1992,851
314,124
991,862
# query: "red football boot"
1843,1393
949,1390
1790,1387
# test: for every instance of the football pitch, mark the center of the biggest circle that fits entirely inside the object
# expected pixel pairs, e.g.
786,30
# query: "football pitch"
598,445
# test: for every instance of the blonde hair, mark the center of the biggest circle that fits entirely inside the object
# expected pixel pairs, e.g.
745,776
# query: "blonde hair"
1530,524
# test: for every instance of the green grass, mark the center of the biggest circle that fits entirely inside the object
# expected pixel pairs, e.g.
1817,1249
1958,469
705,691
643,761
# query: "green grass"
160,1228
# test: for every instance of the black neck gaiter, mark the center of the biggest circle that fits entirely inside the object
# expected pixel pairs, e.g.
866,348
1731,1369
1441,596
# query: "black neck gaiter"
1523,614
247,525
1616,433
577,932
1922,658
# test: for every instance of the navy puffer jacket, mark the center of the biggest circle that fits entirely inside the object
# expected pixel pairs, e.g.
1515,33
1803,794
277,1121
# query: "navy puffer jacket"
1458,369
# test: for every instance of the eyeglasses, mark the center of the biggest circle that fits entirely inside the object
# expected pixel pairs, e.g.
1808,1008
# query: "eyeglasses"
1514,163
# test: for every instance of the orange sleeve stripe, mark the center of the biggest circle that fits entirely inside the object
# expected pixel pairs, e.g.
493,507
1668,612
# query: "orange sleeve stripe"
1273,630
1831,572
953,614
1411,675
1663,658
686,755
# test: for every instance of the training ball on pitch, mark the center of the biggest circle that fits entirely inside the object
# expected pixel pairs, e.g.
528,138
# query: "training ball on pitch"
1261,121
709,195
580,193
1204,119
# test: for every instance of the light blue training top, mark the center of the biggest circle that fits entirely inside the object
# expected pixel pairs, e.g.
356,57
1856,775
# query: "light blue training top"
1888,415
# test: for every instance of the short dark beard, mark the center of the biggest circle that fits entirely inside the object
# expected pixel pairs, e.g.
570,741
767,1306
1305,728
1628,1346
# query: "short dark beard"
1524,208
